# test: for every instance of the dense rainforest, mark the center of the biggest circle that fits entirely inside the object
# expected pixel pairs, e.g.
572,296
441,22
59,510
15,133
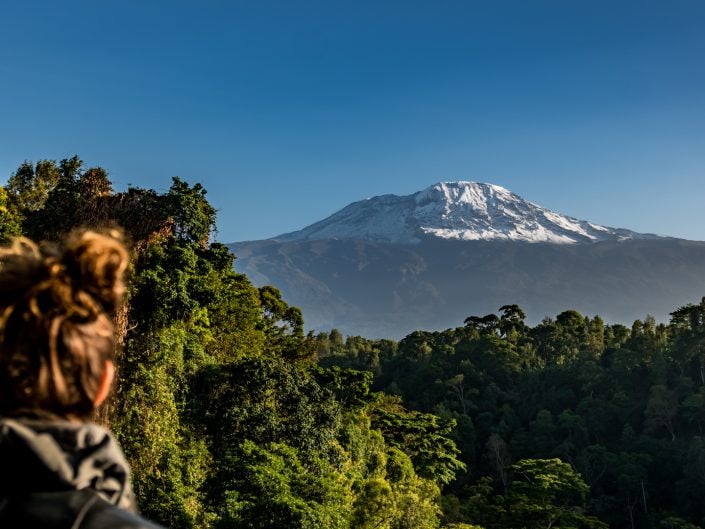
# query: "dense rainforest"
232,416
570,417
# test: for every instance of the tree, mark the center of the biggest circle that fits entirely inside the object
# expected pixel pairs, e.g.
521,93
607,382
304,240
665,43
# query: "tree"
270,488
661,410
283,325
29,187
456,385
193,216
9,219
498,453
423,437
548,493
488,324
512,320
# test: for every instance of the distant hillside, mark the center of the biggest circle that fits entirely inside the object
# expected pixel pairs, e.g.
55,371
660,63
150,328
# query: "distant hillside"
377,289
389,265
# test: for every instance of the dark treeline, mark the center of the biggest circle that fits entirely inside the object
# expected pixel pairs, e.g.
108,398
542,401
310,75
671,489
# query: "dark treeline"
232,416
620,409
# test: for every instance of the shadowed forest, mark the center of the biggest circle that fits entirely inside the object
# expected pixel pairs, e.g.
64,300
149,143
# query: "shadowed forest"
231,415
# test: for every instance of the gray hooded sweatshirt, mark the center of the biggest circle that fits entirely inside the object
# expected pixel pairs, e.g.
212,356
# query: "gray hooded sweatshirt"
60,474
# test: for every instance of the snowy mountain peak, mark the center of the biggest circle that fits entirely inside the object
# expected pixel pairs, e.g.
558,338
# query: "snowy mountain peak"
463,192
457,210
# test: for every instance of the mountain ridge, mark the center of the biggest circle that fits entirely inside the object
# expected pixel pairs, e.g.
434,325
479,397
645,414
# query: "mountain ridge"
462,210
389,265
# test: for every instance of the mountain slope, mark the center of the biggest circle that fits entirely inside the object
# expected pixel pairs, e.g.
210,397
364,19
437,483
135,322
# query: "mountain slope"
457,210
389,265
389,290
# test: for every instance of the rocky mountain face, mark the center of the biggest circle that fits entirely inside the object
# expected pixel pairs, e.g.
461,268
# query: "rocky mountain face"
389,265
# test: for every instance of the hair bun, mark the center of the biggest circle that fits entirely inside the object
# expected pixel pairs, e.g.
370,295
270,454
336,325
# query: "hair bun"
96,263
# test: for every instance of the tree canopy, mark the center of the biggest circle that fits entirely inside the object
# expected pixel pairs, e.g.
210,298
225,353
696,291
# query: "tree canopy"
232,415
222,411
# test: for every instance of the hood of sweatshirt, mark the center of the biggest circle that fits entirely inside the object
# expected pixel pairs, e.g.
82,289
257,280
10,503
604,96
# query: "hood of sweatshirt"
52,456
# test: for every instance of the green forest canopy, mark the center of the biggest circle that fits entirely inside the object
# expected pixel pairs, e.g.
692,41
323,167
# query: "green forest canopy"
232,416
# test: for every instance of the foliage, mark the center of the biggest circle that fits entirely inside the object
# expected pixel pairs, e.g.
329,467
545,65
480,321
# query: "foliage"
423,437
613,415
9,219
221,410
273,489
232,416
548,493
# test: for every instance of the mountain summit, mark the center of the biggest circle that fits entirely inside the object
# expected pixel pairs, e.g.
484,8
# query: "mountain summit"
468,211
386,266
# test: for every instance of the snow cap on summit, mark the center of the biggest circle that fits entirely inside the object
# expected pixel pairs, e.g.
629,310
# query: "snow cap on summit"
459,210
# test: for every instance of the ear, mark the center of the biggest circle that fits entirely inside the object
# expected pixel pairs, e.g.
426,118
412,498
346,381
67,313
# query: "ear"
106,380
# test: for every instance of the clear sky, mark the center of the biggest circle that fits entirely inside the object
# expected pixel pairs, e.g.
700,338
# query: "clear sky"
287,111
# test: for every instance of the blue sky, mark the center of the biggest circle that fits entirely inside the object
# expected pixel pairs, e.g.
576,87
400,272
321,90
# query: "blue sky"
287,111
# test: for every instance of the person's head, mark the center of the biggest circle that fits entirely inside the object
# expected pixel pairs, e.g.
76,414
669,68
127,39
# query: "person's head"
57,339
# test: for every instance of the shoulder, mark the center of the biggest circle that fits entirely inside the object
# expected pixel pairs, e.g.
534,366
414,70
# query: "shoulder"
100,514
80,509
